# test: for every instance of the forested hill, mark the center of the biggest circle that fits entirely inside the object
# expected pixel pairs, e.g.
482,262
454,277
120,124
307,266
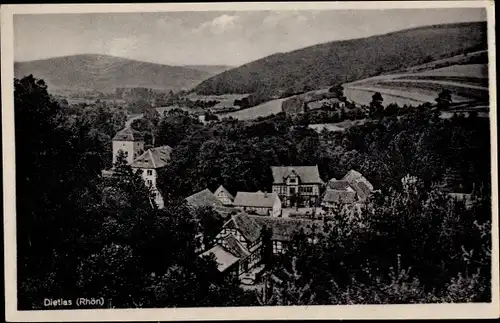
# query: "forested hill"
105,73
344,61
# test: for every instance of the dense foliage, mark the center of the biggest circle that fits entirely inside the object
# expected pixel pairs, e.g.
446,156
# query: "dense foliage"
339,62
410,246
81,235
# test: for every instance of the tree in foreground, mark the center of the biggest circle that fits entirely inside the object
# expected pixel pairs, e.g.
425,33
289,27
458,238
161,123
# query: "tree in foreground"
444,99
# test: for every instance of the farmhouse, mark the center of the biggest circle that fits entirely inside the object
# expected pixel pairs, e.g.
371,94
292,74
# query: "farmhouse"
224,196
238,248
297,185
353,188
206,198
260,202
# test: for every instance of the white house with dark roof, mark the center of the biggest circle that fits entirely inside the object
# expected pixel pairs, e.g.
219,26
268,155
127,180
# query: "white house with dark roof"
224,196
130,141
260,202
297,185
150,162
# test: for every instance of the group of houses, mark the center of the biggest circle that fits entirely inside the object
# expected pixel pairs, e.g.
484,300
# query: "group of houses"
238,248
150,161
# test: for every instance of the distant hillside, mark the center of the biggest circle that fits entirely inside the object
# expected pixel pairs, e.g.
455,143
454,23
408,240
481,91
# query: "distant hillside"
105,73
212,69
345,61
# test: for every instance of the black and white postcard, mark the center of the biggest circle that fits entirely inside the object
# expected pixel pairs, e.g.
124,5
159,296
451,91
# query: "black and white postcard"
207,161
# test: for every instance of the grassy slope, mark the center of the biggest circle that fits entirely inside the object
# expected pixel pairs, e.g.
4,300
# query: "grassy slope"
105,73
344,61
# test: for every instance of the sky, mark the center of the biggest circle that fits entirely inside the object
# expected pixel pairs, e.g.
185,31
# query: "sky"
211,37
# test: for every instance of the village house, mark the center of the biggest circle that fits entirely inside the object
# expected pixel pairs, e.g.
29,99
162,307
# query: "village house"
352,189
224,196
297,185
205,198
130,141
238,247
262,203
150,162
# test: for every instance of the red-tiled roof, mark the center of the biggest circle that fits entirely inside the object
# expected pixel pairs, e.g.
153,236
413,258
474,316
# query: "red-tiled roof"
128,134
153,158
306,174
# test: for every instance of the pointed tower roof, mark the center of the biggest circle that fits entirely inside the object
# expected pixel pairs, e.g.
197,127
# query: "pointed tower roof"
128,134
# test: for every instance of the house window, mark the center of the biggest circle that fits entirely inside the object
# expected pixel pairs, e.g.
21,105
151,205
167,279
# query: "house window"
244,266
149,172
149,182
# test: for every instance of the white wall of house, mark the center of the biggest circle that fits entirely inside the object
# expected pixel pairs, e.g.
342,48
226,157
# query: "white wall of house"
288,190
150,175
132,149
234,232
222,196
276,211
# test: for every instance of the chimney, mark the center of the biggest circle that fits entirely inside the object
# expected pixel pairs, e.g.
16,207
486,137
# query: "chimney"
265,194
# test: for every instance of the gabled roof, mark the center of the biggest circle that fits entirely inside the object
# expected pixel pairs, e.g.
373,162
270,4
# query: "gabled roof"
224,258
306,174
223,189
255,199
157,157
361,189
354,176
204,198
246,225
282,229
338,184
339,196
235,247
128,134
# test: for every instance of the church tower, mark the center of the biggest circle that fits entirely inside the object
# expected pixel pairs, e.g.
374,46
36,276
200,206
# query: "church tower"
130,141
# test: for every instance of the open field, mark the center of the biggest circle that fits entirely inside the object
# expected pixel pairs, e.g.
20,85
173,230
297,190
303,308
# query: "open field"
336,127
363,96
465,82
472,70
262,110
